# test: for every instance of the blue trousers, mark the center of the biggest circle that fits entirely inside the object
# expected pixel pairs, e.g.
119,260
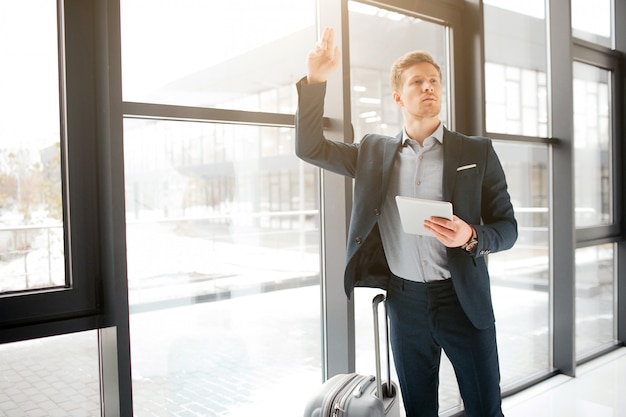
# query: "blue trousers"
424,318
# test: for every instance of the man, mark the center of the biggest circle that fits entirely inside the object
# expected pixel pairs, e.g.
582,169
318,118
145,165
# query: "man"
438,292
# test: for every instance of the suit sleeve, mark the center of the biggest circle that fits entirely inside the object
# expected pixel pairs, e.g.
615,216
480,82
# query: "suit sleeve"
498,230
311,144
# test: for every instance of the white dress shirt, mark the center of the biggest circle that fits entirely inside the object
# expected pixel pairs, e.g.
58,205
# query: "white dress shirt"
417,172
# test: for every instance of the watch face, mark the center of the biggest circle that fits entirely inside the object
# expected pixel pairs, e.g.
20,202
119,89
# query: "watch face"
471,245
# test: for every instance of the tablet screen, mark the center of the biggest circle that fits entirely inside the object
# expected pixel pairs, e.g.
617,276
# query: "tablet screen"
413,212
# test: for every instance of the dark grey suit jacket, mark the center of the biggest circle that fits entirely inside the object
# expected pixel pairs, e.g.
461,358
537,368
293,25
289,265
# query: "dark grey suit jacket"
478,192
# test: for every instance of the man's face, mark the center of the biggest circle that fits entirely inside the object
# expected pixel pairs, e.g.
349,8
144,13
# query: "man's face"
420,93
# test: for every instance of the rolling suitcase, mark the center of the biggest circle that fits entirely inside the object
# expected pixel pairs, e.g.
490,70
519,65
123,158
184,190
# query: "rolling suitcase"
356,395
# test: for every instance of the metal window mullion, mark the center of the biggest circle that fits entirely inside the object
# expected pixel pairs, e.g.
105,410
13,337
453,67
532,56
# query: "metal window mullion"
619,10
336,200
563,237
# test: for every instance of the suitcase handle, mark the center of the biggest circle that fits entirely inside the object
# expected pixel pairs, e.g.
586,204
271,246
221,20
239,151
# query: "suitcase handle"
379,385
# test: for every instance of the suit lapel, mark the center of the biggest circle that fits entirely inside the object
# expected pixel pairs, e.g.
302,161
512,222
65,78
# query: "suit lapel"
389,152
452,149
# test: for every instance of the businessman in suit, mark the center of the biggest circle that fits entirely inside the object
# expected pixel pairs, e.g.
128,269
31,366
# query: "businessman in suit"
438,291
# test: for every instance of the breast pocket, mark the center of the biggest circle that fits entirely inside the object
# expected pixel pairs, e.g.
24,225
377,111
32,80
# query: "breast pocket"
468,174
467,194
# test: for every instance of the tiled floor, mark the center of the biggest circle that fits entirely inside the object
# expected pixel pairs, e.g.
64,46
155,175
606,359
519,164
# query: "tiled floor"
50,377
599,390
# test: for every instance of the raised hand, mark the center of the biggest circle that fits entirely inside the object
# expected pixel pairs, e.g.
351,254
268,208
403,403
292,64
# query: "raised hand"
323,59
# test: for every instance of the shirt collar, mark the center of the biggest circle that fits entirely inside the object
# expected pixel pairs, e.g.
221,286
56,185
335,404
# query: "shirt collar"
437,134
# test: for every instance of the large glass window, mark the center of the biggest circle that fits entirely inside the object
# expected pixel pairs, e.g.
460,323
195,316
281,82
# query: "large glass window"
594,204
515,67
595,298
31,209
222,219
516,103
53,279
216,54
592,146
520,276
223,269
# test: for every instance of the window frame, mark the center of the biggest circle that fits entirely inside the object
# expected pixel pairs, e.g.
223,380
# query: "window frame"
603,58
96,296
80,300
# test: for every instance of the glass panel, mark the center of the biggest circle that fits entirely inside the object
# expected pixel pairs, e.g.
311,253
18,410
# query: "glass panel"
531,8
223,266
515,67
31,211
388,35
592,146
216,54
595,300
520,277
592,21
53,376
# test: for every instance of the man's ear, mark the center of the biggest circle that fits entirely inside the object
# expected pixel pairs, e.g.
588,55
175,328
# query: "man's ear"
397,98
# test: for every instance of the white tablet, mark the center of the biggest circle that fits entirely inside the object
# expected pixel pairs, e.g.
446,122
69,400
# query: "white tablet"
413,212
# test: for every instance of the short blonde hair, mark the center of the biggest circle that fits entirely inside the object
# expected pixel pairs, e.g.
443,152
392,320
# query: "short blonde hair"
405,62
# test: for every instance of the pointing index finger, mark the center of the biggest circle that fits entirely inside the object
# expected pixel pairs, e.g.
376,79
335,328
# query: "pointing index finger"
328,39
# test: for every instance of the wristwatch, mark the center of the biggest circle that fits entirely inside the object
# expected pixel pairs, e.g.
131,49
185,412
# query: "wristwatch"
471,244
